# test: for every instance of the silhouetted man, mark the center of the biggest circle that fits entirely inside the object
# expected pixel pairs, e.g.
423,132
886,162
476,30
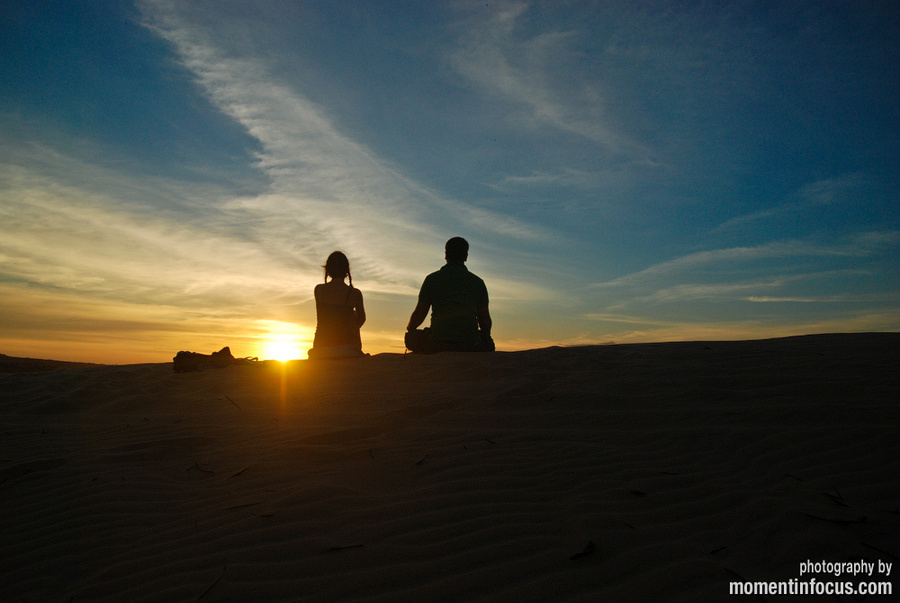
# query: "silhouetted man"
460,320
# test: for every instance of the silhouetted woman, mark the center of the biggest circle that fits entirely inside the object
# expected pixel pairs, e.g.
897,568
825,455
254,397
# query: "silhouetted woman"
339,312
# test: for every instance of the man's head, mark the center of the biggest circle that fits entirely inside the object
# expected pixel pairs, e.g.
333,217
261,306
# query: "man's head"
456,250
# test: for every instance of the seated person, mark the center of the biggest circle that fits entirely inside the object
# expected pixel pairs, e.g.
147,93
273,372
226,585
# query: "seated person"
339,312
460,320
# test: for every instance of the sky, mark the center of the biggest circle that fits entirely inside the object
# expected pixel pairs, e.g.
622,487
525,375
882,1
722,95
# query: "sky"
174,174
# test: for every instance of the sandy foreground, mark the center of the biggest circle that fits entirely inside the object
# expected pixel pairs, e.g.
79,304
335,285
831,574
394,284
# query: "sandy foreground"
649,472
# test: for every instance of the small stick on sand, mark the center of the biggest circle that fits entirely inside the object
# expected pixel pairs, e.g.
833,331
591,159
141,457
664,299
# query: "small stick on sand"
840,522
198,468
589,549
232,401
422,460
206,592
836,499
882,551
242,506
735,574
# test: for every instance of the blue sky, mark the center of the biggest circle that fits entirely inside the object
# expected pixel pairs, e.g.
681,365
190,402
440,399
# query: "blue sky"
174,174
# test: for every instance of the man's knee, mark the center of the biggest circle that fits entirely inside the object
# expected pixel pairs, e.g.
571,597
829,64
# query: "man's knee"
420,342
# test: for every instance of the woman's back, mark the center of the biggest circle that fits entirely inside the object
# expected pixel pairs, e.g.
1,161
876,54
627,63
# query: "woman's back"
335,292
338,319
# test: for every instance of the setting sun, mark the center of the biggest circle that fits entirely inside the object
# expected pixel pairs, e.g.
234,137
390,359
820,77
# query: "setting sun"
282,347
283,341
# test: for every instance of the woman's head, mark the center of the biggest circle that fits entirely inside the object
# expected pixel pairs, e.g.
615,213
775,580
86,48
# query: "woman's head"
337,266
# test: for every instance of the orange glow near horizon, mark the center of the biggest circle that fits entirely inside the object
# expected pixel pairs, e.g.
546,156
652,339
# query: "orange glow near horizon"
281,349
284,341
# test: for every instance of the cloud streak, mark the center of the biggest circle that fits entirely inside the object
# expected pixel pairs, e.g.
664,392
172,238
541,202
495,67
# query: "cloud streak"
720,259
323,186
496,54
711,285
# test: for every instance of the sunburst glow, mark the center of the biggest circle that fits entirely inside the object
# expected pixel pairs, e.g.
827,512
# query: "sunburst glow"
282,349
283,341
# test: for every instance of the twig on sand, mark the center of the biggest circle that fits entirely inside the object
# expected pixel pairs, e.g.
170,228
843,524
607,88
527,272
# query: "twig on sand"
242,506
232,401
835,498
198,468
239,472
717,550
422,460
882,551
841,522
735,574
219,579
589,549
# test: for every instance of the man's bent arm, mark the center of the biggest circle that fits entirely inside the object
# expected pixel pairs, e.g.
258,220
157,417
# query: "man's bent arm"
418,316
484,320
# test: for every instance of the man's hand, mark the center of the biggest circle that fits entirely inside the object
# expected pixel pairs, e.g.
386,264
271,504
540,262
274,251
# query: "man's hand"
418,316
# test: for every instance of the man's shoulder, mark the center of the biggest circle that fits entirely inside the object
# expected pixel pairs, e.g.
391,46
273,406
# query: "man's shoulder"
434,275
451,272
474,277
430,281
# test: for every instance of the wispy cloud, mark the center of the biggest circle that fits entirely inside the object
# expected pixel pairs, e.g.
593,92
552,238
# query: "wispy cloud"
623,328
498,56
841,189
709,282
65,237
720,259
324,187
845,190
829,299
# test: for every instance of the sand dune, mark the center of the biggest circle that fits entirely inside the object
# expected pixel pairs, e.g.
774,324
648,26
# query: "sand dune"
650,472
